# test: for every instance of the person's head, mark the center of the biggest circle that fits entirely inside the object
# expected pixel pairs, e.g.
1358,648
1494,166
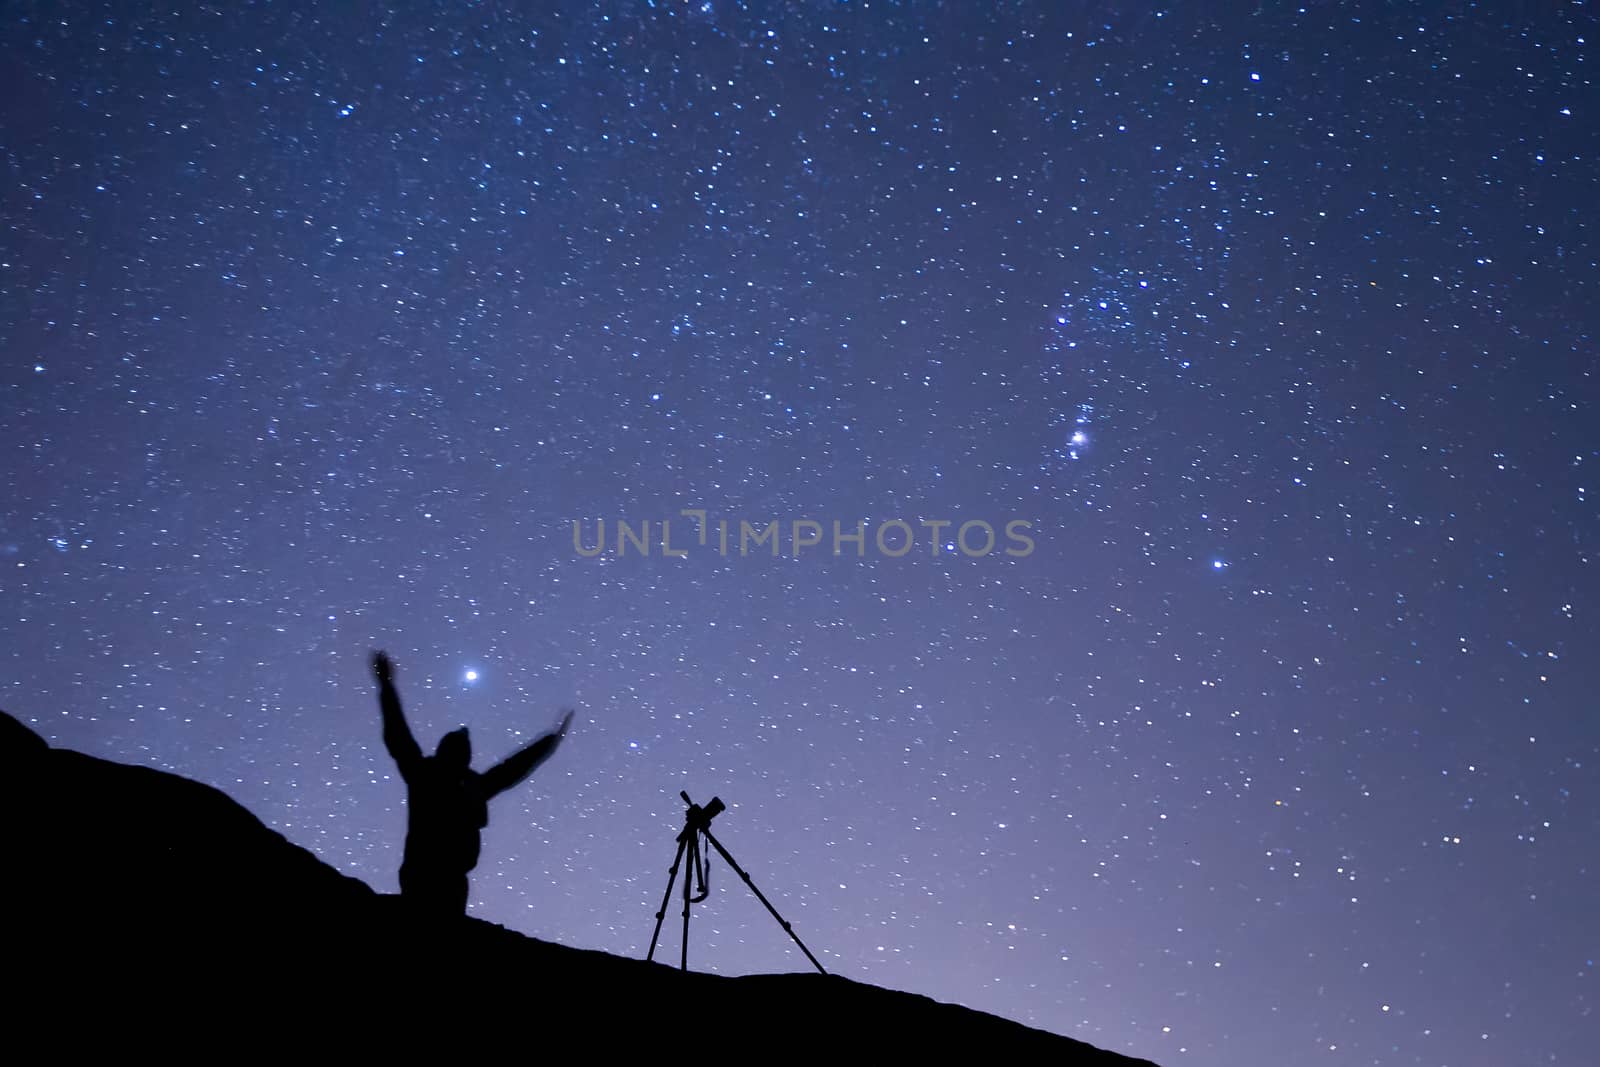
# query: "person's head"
455,749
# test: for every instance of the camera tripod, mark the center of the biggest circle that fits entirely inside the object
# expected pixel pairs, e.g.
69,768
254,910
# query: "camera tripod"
697,824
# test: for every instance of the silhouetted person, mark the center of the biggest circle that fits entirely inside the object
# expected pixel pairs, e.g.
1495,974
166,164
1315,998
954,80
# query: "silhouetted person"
447,803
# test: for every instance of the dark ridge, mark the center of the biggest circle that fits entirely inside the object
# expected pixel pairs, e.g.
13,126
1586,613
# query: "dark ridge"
145,910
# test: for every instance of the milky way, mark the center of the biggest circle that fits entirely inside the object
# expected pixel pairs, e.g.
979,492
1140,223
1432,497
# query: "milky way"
324,325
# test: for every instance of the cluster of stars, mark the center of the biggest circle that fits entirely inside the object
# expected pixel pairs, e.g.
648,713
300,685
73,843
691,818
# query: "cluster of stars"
1275,324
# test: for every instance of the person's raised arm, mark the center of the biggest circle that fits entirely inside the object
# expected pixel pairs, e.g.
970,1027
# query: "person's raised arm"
513,769
396,734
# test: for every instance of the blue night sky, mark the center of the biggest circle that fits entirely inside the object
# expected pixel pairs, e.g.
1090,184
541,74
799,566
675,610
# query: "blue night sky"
323,324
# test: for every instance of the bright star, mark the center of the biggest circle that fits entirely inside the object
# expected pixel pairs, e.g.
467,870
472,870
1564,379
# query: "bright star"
472,676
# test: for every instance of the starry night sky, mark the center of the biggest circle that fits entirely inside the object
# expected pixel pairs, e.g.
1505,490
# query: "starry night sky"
323,324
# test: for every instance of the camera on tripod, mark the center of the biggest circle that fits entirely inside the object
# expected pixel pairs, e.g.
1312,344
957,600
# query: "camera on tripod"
699,819
696,884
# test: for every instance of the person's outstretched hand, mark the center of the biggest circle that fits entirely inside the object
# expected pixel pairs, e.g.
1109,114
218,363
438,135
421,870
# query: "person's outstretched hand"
566,721
382,667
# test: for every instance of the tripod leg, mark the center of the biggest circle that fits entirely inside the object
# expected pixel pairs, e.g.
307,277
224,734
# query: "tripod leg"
694,860
741,872
672,876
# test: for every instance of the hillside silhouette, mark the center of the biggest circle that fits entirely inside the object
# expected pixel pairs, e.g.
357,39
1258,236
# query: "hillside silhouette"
145,908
